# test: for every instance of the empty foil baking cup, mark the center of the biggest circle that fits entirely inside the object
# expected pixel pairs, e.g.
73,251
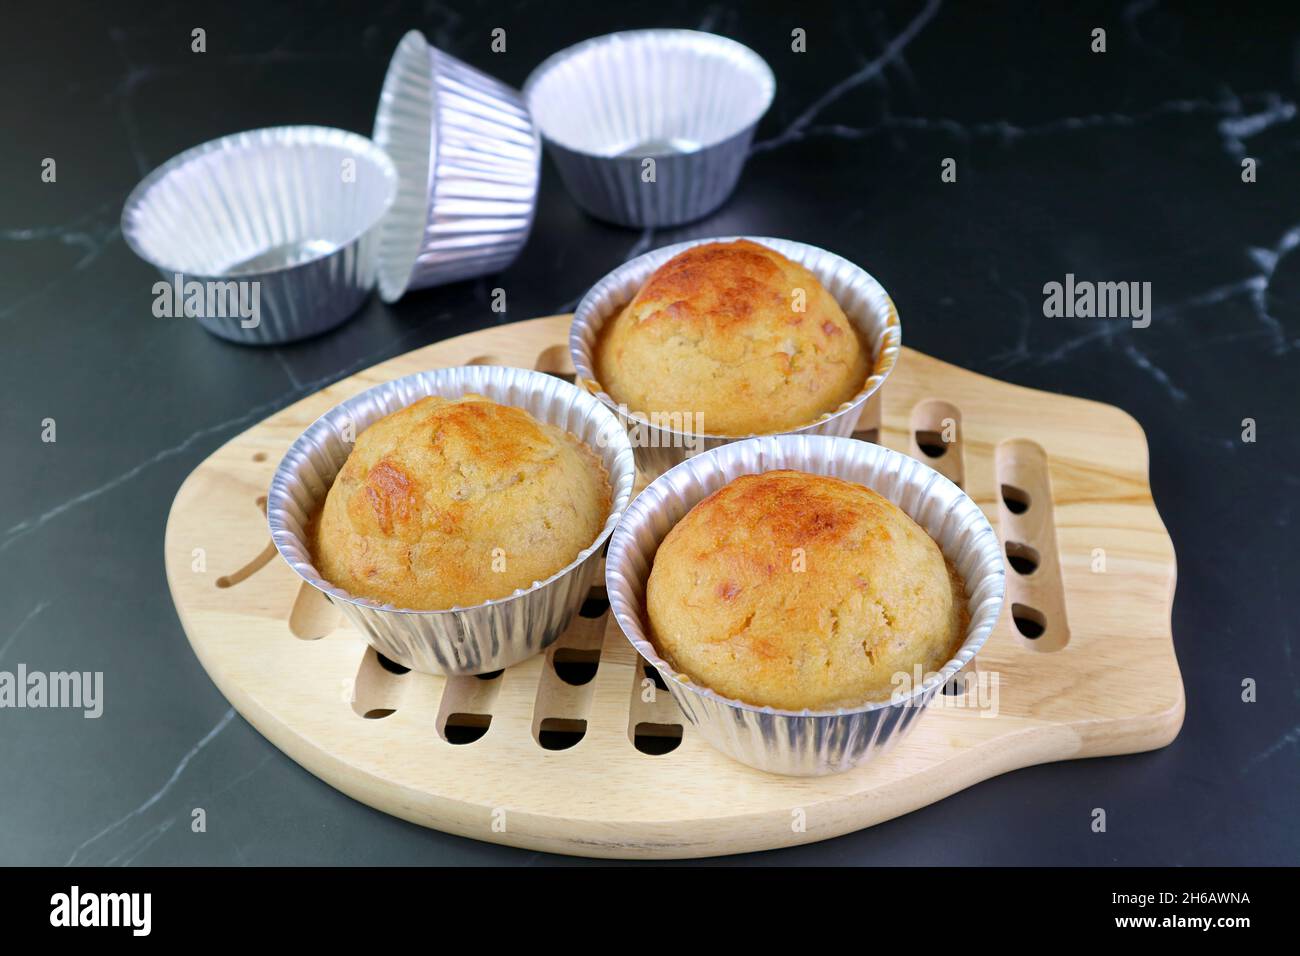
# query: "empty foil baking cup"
265,236
807,742
468,159
687,101
480,638
658,448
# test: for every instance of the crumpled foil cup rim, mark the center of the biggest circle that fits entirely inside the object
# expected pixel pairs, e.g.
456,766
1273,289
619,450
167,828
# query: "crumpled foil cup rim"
756,62
976,636
590,305
620,496
271,136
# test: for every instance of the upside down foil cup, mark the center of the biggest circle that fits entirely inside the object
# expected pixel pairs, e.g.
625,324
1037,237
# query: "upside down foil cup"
807,742
660,446
266,236
687,100
480,638
469,164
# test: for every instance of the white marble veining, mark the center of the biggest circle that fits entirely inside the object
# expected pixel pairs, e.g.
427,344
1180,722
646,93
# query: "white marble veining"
158,794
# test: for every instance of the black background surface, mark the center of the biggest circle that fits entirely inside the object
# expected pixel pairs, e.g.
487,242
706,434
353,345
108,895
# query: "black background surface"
1115,166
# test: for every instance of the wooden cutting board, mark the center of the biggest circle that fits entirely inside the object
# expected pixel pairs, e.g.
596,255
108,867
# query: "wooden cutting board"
577,752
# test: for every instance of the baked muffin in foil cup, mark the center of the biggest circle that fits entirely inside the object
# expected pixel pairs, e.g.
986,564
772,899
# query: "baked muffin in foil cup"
469,162
479,638
685,100
265,236
661,444
806,742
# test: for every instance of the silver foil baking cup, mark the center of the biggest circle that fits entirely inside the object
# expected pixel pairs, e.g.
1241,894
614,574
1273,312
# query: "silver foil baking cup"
479,638
807,742
269,234
469,163
658,448
687,100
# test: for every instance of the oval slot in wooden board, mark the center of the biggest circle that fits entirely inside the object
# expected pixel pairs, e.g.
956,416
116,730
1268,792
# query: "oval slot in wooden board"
577,751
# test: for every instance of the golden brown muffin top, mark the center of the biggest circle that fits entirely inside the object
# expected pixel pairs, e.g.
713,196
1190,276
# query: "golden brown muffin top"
738,333
454,502
796,591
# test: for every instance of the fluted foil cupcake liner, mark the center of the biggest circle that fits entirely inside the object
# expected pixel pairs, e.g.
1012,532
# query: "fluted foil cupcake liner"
469,162
863,299
688,100
479,638
290,208
807,742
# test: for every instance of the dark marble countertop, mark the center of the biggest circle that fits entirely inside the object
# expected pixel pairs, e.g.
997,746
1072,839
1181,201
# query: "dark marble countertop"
1124,166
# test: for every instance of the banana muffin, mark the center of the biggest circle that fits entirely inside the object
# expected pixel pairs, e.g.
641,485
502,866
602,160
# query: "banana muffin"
738,334
454,502
796,591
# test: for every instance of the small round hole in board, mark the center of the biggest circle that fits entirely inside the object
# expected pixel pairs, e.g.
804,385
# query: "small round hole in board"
1022,558
1029,621
391,666
654,675
379,713
464,729
1016,500
560,733
595,606
576,665
931,444
655,740
259,456
490,675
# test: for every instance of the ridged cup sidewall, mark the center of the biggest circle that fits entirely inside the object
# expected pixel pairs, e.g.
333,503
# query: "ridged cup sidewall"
687,186
481,638
628,88
469,161
231,199
806,743
864,300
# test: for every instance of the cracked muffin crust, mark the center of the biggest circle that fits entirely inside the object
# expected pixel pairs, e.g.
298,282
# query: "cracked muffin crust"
795,591
717,330
454,502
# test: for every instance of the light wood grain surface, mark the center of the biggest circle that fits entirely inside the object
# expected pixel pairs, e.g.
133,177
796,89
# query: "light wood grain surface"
1101,677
